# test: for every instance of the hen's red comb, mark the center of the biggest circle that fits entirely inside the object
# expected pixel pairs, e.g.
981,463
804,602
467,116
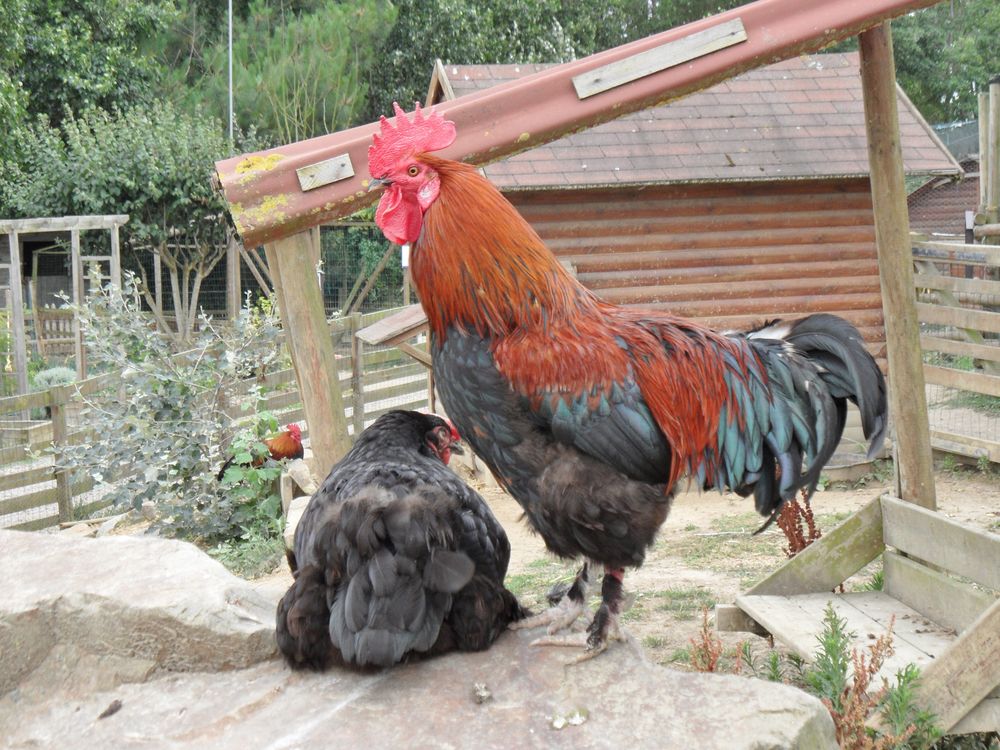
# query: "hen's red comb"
455,437
400,141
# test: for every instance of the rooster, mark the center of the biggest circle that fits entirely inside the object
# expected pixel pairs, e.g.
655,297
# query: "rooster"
588,413
286,444
395,555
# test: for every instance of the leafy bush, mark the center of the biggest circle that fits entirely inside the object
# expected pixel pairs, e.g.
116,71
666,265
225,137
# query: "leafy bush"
45,379
156,433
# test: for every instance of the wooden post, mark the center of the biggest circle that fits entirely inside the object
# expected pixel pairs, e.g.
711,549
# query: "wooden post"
116,258
993,155
158,281
357,376
17,315
60,433
984,149
293,272
907,396
77,281
234,282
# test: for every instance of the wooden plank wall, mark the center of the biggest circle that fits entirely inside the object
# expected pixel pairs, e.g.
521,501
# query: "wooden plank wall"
731,255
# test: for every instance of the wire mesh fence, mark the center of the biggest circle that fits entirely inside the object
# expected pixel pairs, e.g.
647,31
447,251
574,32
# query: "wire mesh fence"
958,306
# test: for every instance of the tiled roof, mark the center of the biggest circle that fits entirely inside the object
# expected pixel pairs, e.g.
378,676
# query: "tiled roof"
802,117
939,206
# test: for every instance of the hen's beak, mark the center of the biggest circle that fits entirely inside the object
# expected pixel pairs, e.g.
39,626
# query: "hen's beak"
457,449
377,182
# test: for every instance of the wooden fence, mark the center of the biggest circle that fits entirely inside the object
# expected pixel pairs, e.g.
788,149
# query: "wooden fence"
35,494
958,306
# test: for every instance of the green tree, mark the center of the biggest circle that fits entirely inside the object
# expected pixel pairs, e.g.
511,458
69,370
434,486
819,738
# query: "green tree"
946,55
299,67
153,163
74,54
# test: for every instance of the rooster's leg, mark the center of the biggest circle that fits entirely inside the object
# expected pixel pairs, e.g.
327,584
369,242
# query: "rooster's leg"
565,611
604,628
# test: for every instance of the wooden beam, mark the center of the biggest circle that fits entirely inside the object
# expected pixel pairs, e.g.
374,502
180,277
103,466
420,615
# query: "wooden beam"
293,271
266,201
936,539
62,223
908,402
936,596
957,680
830,560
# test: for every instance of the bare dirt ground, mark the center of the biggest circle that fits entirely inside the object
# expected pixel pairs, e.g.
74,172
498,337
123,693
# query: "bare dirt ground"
706,554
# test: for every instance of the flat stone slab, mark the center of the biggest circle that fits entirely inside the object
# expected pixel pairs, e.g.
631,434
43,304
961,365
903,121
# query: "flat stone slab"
137,605
139,642
616,700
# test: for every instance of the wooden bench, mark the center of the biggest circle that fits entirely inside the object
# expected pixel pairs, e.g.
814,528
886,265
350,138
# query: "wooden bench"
941,583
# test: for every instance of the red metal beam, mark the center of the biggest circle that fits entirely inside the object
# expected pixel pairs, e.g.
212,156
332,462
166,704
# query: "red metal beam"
265,191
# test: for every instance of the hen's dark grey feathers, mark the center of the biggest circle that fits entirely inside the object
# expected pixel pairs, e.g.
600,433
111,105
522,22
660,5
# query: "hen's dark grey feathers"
395,555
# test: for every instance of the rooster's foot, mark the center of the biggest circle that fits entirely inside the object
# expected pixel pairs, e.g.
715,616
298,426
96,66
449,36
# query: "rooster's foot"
605,626
565,611
595,640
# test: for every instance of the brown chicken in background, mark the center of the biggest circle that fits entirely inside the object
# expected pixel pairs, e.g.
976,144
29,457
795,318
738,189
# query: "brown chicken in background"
286,444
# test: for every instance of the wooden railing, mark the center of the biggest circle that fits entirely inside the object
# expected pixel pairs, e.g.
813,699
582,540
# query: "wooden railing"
384,379
960,319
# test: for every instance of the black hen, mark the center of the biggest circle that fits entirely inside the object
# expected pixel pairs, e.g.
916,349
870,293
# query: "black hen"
395,555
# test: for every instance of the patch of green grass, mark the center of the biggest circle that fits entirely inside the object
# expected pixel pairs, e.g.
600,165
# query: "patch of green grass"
540,576
680,656
654,641
684,603
730,547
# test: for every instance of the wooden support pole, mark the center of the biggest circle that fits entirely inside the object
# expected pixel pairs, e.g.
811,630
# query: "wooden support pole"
993,159
357,376
907,396
234,282
293,271
17,315
60,435
984,149
116,258
77,281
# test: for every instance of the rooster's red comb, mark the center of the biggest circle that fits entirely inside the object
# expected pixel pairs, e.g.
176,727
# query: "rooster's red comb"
400,141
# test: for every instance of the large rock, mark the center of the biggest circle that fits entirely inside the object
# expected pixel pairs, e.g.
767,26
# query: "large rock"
617,700
102,639
127,607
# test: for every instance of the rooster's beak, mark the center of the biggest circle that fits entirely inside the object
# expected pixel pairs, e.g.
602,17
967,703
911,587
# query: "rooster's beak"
377,182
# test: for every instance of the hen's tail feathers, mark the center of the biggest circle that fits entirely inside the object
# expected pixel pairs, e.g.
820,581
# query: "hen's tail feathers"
396,570
302,621
826,365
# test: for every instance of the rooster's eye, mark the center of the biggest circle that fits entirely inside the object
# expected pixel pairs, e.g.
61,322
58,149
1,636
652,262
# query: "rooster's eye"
413,171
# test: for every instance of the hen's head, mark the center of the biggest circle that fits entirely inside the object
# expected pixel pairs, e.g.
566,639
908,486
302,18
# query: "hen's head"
443,439
411,186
